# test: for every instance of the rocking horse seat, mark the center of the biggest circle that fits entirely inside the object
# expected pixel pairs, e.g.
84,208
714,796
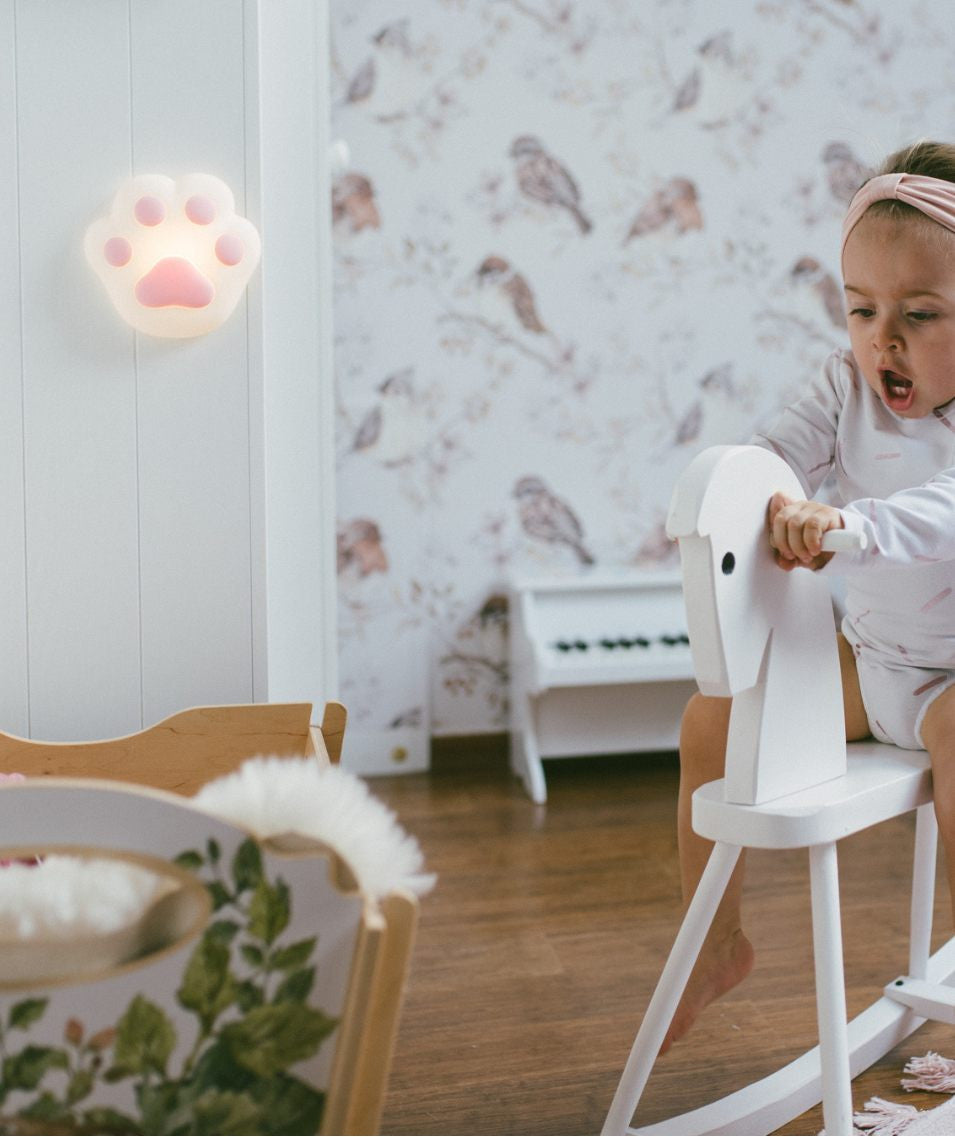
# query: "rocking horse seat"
880,783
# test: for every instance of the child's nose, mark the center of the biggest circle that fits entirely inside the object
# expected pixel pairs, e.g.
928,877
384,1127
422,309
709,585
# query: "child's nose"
886,336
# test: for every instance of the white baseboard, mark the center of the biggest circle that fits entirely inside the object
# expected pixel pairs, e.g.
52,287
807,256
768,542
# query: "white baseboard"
404,750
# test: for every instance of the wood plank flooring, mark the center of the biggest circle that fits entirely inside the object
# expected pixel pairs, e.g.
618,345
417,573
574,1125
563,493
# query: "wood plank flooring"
539,949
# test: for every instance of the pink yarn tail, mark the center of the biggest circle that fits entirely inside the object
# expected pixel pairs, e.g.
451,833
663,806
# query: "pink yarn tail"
932,1072
882,1118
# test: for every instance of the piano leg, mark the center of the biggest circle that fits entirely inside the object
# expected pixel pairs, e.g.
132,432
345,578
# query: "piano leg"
525,756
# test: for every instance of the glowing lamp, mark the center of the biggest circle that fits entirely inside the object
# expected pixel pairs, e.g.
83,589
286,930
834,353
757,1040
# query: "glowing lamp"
174,256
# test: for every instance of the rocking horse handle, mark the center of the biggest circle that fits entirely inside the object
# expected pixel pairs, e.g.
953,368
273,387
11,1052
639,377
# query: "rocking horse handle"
843,541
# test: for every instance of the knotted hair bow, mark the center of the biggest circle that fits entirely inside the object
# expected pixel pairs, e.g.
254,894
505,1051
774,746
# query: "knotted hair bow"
935,197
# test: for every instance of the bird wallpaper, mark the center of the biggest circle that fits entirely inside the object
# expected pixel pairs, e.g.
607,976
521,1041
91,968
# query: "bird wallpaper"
575,242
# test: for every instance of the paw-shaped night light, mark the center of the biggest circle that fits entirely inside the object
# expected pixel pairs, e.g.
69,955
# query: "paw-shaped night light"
174,256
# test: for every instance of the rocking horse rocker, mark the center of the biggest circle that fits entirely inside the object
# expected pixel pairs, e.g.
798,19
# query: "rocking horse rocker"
766,637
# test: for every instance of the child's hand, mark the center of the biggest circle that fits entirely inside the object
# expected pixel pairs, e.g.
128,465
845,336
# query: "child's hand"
796,529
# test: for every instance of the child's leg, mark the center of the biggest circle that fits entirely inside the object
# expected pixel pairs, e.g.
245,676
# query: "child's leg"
938,734
727,955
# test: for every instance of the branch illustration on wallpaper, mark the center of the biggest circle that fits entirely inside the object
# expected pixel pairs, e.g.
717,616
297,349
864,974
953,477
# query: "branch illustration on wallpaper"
174,256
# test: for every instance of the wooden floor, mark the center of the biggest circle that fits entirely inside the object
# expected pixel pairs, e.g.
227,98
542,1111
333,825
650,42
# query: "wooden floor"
540,946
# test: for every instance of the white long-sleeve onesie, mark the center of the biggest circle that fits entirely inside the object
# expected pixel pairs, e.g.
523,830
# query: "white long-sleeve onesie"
895,481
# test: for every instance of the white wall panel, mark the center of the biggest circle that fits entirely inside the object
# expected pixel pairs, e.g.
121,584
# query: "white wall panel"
14,705
188,115
148,561
79,403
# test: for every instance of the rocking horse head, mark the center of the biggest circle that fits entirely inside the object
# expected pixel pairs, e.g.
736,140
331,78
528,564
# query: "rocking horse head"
718,515
764,636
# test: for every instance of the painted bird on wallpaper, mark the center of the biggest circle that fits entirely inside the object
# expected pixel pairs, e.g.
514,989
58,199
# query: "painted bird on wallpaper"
676,204
718,86
391,429
359,548
497,274
821,286
353,202
546,517
385,82
844,172
542,178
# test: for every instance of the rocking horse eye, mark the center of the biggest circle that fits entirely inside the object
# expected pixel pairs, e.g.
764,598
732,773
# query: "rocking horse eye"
729,563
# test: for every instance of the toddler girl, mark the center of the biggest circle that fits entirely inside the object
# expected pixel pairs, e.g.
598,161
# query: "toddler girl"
882,417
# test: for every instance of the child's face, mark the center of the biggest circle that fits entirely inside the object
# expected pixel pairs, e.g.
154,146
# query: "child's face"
900,294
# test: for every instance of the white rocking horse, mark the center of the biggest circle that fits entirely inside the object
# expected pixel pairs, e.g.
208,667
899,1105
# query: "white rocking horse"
766,637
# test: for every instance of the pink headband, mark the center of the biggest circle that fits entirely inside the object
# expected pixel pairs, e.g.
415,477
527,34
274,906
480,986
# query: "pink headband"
935,197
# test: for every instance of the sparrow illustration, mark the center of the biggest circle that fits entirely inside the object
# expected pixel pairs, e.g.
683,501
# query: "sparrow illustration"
542,178
391,427
720,379
689,427
676,202
395,36
362,83
385,80
845,173
497,273
688,92
353,201
808,273
716,87
359,547
546,517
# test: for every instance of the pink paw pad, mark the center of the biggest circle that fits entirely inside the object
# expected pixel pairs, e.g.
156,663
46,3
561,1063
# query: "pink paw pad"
229,249
200,210
150,211
118,252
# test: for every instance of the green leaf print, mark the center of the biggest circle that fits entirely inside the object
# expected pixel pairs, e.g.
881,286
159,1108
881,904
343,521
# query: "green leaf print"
207,984
247,866
269,911
144,1038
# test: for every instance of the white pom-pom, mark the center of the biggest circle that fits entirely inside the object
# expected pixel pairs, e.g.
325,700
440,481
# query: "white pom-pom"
272,796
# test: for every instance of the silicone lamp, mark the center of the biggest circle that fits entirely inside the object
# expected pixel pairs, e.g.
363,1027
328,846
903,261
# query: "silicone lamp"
174,256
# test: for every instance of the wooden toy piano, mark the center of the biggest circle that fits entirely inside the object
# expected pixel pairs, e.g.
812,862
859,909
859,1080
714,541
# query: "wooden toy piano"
600,664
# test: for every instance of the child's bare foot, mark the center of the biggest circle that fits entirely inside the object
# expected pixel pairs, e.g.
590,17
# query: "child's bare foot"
720,967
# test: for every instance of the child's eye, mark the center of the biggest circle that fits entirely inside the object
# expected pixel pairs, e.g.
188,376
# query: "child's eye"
921,317
863,313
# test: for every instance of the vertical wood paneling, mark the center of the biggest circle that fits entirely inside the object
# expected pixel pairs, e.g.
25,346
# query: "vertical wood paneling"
79,400
188,114
14,711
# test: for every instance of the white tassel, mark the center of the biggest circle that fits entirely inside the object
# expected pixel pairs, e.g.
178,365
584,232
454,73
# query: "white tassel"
932,1072
882,1118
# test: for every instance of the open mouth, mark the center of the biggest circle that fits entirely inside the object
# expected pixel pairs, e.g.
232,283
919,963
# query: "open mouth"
897,391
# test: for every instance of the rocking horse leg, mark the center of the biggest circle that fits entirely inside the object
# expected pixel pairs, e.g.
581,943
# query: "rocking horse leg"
923,890
669,989
830,990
